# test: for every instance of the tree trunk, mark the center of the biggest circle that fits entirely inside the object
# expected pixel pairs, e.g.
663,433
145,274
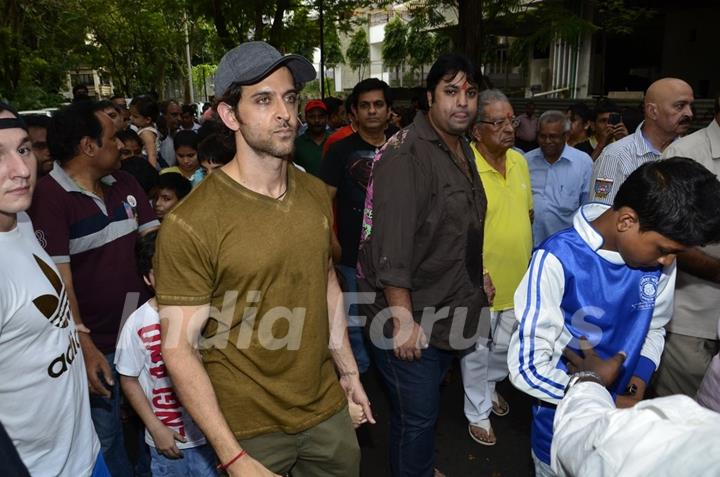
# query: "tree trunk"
276,30
221,25
471,29
258,24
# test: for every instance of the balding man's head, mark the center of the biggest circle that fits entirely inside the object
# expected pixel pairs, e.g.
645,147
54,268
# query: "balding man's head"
667,106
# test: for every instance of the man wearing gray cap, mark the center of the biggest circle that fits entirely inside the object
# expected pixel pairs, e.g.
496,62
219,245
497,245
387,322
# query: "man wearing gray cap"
265,389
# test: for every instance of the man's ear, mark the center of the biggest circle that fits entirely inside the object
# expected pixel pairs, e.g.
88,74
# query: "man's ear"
227,114
429,98
88,146
627,219
651,110
475,131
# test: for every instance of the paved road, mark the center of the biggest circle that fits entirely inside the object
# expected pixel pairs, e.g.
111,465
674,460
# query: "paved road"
457,454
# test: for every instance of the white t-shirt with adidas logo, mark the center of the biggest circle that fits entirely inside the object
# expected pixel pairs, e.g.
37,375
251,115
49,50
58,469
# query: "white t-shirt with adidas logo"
44,400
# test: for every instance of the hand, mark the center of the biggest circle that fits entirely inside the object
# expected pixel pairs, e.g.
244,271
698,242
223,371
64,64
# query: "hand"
408,339
96,366
624,401
355,394
489,288
246,466
618,131
607,369
165,438
357,416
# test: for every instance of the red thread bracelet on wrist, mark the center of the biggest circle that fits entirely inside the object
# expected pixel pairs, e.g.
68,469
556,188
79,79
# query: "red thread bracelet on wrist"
232,461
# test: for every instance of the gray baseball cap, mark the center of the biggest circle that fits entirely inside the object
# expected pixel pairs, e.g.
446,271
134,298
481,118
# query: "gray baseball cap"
250,62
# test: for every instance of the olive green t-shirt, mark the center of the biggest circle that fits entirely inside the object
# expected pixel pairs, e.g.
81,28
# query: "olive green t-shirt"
262,265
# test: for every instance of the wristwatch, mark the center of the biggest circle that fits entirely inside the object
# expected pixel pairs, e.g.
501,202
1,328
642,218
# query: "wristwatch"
582,376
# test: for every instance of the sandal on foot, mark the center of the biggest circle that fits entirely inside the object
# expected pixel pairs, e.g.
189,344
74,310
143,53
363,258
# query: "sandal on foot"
482,433
500,406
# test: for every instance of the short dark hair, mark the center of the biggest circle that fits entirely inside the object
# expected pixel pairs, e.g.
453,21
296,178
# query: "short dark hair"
142,171
106,103
78,87
117,96
447,66
144,252
332,104
371,84
232,95
186,138
677,198
605,106
36,120
187,109
216,148
175,182
128,135
582,111
146,106
166,104
69,125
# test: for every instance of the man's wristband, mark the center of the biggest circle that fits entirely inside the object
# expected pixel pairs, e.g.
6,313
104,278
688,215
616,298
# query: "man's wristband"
232,461
583,376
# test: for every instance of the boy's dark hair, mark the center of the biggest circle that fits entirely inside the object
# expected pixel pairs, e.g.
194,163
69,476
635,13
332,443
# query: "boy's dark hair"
146,106
144,252
186,138
371,84
142,171
106,103
332,104
447,66
677,198
117,96
582,111
69,125
128,135
216,149
175,182
187,109
36,120
605,106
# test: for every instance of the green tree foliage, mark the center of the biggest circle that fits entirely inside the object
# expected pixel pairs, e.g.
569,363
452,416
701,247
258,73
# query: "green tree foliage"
333,52
358,52
394,47
421,48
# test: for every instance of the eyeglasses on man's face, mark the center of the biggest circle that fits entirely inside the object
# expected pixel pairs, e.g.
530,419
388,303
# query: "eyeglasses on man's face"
499,123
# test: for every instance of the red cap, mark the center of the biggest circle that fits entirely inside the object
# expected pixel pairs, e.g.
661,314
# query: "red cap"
315,103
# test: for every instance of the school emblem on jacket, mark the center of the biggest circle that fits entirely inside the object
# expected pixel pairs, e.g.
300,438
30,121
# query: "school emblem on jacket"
648,292
603,186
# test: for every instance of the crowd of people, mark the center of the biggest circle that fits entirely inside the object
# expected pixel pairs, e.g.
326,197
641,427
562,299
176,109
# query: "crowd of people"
230,278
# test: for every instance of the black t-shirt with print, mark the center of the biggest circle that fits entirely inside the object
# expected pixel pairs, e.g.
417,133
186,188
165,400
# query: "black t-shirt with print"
347,167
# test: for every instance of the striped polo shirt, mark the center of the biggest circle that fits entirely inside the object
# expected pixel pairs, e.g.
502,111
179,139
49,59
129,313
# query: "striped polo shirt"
96,235
617,161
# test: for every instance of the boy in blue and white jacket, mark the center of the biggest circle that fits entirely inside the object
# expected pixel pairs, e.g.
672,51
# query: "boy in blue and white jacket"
609,278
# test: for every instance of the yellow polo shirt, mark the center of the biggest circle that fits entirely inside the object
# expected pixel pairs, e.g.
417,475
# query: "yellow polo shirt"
508,232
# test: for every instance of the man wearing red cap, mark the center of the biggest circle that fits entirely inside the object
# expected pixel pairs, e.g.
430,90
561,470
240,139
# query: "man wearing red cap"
309,145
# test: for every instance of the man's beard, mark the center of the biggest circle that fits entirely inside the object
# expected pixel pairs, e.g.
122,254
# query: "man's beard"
266,144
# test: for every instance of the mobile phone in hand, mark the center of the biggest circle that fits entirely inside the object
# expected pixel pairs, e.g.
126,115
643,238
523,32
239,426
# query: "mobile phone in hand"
614,119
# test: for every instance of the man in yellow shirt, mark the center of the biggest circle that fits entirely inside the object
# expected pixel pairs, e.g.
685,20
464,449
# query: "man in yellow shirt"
506,253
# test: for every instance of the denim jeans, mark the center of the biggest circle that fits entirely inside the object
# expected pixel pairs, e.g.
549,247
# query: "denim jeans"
414,391
355,326
196,462
105,413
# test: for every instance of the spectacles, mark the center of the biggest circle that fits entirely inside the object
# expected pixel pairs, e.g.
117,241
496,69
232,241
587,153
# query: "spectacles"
514,122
